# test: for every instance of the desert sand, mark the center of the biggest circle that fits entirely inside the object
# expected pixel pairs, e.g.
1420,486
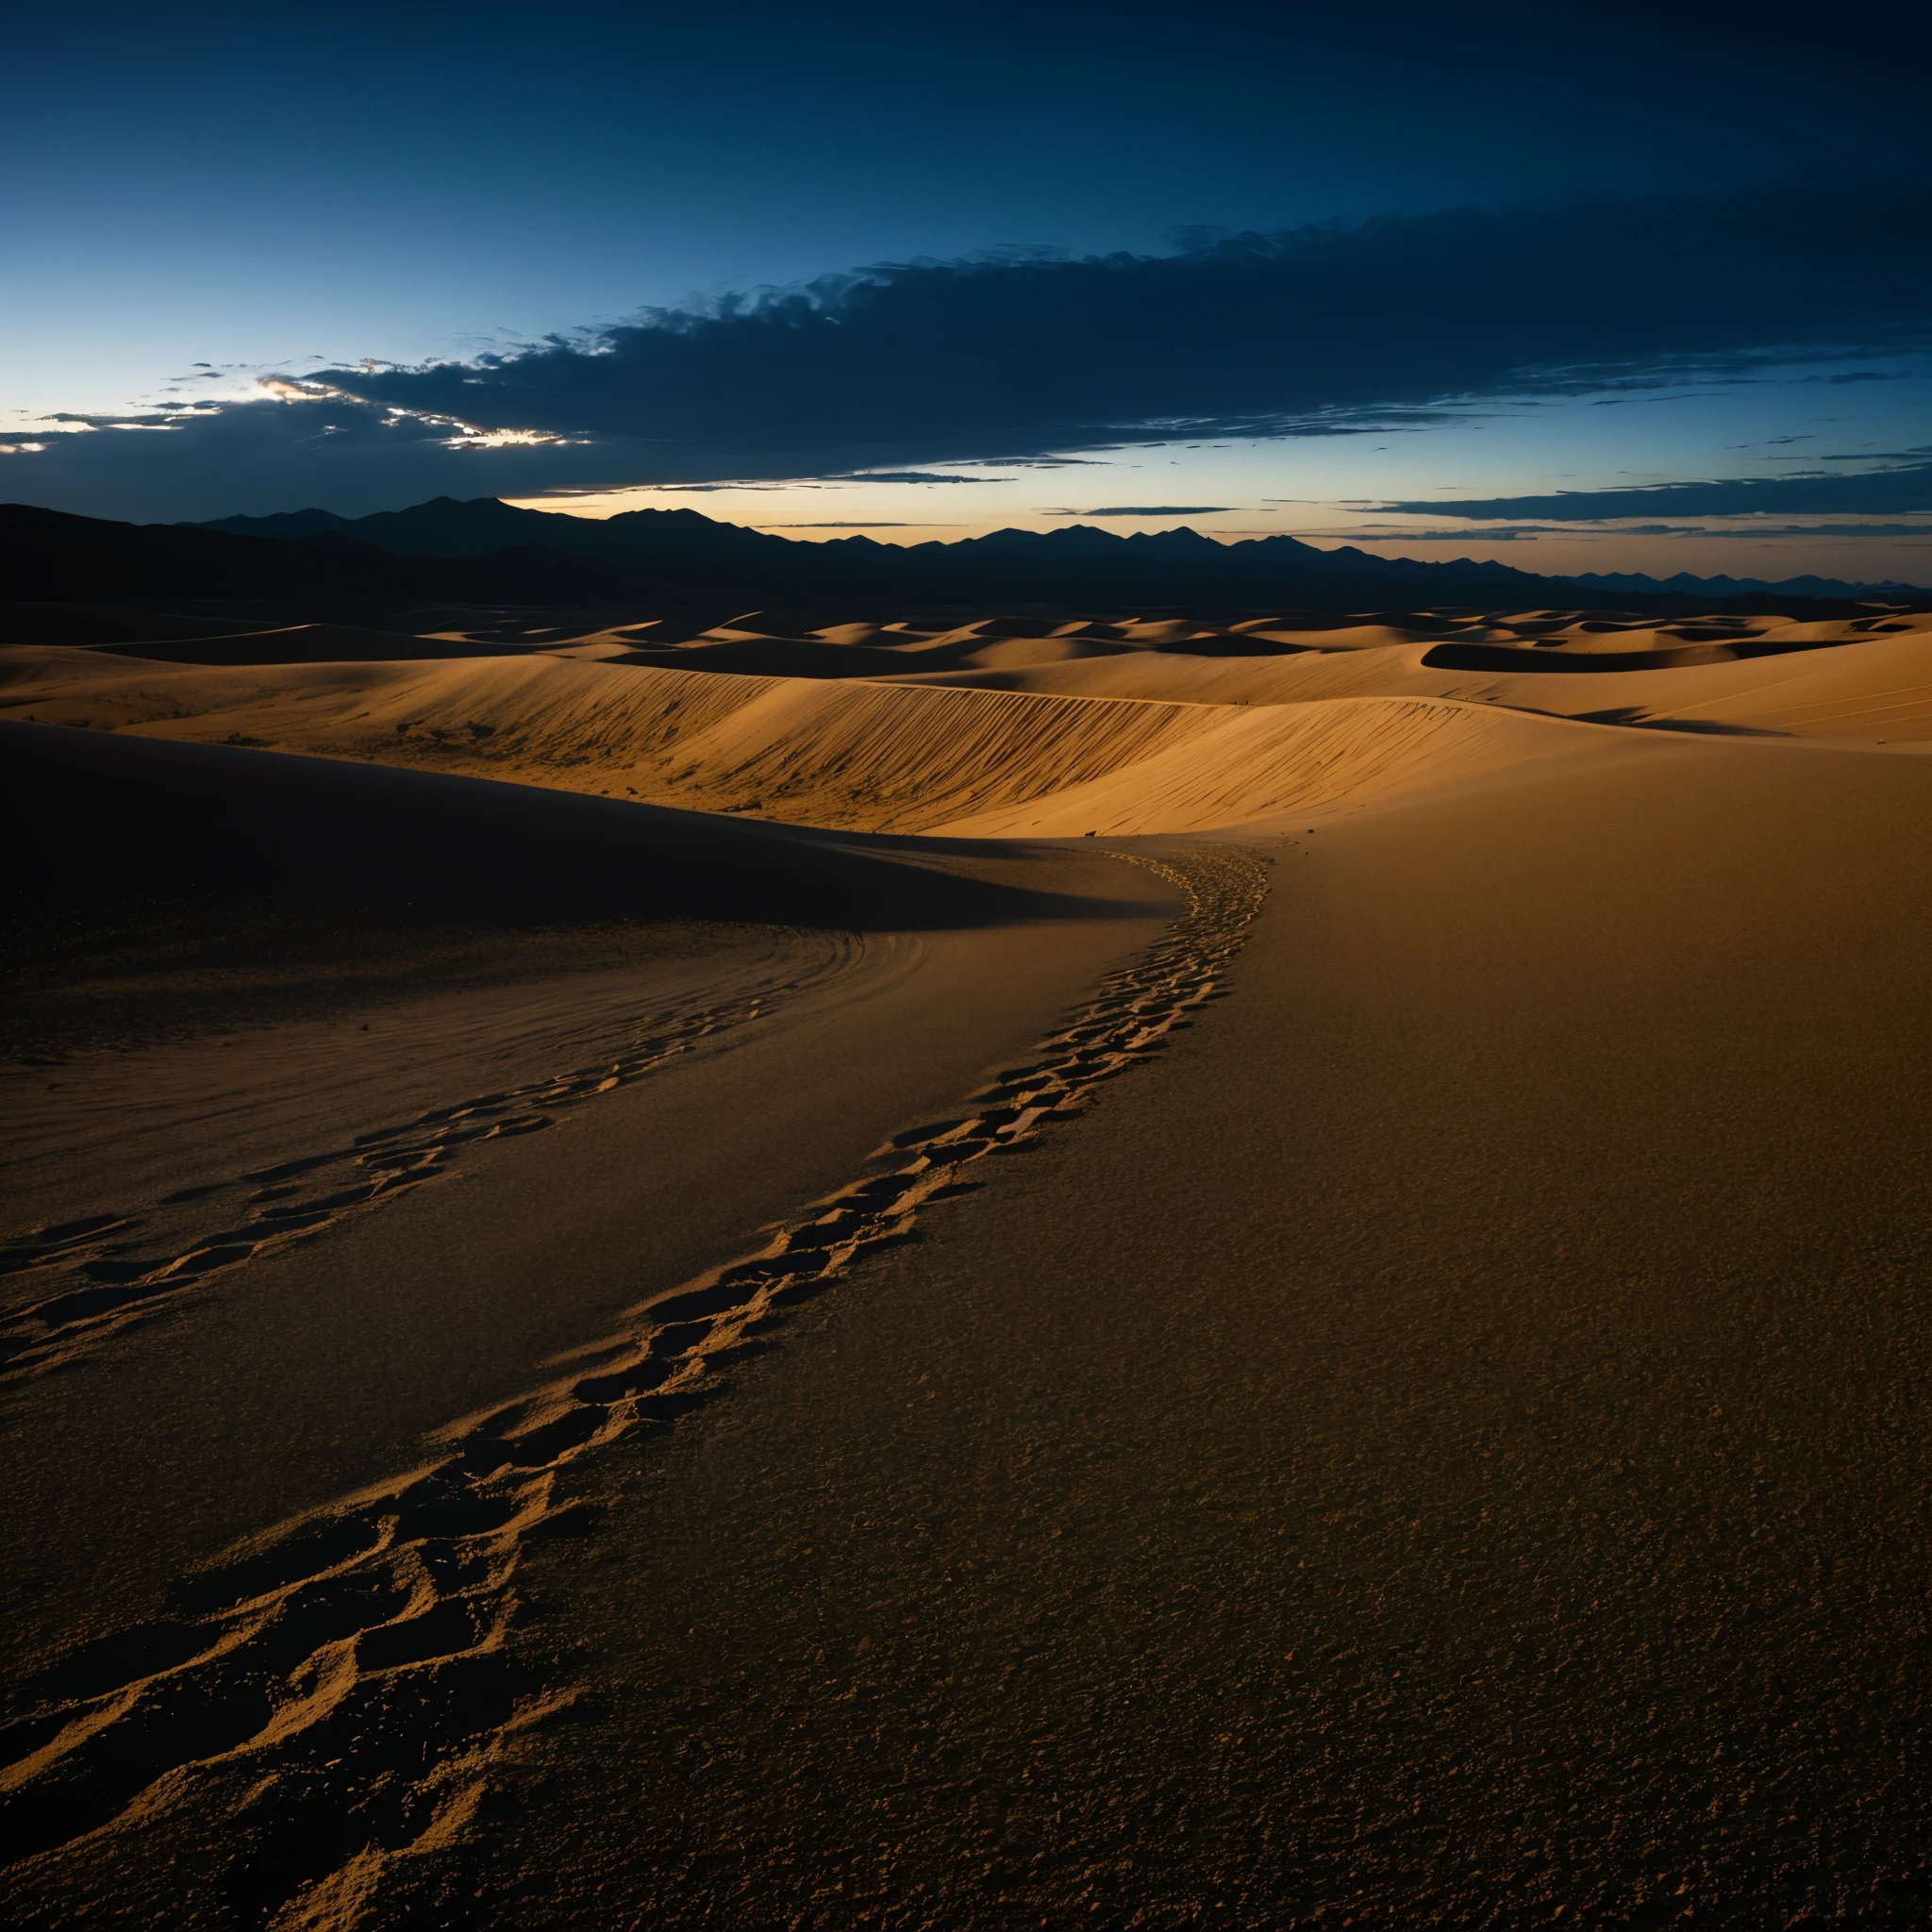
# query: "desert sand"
817,1273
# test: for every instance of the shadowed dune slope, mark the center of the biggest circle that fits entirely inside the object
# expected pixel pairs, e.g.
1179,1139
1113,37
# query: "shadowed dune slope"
154,889
111,813
110,625
312,643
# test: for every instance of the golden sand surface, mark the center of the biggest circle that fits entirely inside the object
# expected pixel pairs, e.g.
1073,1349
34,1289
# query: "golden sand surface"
642,1288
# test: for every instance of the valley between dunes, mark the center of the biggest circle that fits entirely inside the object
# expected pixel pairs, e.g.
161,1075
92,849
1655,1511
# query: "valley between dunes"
808,1273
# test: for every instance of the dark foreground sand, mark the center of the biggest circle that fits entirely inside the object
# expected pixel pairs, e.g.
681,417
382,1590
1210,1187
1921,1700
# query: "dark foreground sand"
1420,1420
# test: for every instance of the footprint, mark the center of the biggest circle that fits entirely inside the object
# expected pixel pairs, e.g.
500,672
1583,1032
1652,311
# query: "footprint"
356,1666
50,1329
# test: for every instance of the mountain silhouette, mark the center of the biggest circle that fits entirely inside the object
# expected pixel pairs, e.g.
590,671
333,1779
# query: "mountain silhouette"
486,551
1076,564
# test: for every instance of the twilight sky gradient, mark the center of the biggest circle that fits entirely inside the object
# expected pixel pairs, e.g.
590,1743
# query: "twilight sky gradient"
1588,287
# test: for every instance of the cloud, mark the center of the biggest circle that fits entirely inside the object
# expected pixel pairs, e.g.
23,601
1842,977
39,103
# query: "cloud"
1755,531
1920,530
1149,510
1395,322
1880,492
1385,535
915,476
729,483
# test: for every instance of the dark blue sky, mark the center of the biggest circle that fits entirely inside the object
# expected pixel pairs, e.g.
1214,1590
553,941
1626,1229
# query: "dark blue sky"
290,192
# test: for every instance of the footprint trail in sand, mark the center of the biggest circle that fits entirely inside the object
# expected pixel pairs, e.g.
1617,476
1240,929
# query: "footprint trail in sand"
110,1271
347,1681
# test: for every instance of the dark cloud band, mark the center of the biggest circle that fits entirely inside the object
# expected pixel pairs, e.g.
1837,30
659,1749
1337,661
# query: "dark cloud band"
1320,330
1893,492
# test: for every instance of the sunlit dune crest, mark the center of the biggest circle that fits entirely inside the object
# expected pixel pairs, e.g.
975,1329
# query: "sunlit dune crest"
1127,730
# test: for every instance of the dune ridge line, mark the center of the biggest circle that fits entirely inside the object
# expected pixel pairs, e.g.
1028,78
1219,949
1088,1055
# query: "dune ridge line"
842,755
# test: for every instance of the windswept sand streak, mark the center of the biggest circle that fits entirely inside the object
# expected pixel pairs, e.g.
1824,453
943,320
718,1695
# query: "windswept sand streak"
353,1674
111,1271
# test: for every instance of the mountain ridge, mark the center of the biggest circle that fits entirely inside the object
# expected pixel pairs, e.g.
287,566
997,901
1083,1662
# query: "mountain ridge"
450,528
483,552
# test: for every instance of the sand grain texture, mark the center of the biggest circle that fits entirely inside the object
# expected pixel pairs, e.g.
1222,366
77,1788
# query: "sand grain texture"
1349,1351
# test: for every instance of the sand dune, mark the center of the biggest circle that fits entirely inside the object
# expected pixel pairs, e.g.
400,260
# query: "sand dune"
1481,1324
852,650
1820,679
1880,688
35,623
854,754
171,887
21,665
1450,1432
1171,676
308,643
1132,741
1248,767
132,811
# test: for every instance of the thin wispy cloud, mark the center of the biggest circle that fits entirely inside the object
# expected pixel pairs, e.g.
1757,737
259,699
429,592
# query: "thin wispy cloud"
1149,510
1398,322
916,477
1752,531
1898,491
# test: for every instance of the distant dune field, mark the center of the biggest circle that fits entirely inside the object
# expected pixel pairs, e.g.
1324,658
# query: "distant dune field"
1136,741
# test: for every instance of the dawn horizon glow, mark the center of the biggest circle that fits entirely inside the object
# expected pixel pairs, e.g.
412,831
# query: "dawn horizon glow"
438,280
